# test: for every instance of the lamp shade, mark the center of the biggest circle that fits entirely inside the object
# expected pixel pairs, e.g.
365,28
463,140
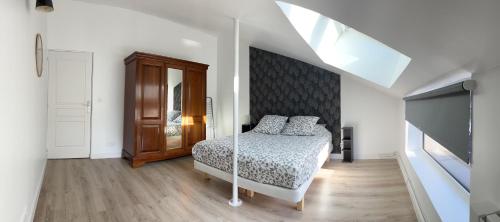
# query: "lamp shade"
44,5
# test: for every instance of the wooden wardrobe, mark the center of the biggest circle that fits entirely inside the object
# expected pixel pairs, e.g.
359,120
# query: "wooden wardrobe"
148,100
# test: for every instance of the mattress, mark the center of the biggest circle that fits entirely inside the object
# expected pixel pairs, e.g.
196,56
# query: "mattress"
279,160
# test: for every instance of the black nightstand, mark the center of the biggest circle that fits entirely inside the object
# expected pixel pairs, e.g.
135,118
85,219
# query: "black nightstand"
347,138
246,127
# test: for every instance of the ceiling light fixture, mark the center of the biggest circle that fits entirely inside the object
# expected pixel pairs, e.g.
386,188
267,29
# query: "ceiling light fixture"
44,5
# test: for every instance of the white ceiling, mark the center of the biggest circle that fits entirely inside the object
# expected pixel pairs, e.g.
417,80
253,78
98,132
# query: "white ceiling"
441,36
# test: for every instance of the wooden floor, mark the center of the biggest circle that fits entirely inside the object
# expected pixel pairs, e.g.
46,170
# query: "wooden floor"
109,190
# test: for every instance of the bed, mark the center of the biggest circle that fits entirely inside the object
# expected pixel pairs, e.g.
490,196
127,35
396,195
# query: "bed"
174,128
279,166
174,123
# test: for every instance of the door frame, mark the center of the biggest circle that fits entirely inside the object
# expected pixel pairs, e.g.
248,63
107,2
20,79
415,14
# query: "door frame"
91,98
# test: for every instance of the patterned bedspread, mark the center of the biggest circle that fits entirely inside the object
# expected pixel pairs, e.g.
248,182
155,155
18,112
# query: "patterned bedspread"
280,160
174,128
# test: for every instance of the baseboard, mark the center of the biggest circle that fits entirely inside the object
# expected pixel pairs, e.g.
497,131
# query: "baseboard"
37,193
411,190
105,155
75,155
378,156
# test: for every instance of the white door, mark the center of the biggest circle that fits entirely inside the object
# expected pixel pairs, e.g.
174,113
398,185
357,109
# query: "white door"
69,108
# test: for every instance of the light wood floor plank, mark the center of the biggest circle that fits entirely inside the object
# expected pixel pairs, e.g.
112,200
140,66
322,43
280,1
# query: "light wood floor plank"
109,190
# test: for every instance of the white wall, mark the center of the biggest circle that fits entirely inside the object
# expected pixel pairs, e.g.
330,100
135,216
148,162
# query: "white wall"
225,83
24,110
376,118
485,179
112,34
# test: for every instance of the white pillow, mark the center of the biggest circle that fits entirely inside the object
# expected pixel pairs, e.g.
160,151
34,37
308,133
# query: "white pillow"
300,126
270,124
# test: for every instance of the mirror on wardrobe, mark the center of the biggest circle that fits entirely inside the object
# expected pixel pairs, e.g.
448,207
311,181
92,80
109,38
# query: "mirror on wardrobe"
174,109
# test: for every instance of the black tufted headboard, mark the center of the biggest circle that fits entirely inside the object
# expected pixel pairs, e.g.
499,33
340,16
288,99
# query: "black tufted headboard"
289,87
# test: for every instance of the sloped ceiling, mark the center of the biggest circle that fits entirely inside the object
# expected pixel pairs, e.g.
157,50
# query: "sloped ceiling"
441,37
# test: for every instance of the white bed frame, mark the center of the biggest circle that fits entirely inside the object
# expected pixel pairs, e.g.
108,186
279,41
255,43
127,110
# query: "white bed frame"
295,196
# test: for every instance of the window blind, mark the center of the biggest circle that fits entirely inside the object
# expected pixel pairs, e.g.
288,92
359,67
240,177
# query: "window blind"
445,115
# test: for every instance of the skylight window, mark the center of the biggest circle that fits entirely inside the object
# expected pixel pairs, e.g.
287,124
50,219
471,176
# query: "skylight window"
346,48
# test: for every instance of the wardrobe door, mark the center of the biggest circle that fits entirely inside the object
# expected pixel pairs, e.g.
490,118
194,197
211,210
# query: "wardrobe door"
150,93
195,103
